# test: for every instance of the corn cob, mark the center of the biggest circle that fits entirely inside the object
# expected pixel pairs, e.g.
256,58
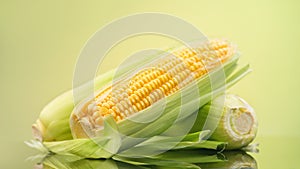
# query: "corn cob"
150,84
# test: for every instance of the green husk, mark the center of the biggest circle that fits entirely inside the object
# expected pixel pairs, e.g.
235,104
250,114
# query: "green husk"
93,148
205,144
160,144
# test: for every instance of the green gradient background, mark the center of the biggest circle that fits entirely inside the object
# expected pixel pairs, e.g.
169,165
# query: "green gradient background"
40,41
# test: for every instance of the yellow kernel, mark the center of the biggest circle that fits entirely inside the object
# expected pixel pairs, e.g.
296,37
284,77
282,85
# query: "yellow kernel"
155,74
137,85
132,101
138,106
124,104
118,98
126,112
110,103
135,108
138,93
145,90
146,102
152,97
166,89
131,111
141,92
130,91
148,86
106,105
133,88
118,118
144,80
136,97
161,79
143,105
169,85
156,82
120,107
192,68
110,111
156,94
153,85
173,82
122,115
115,109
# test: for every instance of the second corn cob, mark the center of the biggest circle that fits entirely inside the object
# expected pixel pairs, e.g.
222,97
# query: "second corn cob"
234,123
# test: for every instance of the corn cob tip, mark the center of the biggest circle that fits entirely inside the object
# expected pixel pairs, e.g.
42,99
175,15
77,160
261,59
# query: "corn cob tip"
238,124
76,127
80,126
38,130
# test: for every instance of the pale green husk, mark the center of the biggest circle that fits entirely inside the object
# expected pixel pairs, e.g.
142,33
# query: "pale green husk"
110,142
105,146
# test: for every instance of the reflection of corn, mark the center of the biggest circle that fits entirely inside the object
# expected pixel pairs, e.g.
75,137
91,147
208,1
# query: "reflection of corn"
162,78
